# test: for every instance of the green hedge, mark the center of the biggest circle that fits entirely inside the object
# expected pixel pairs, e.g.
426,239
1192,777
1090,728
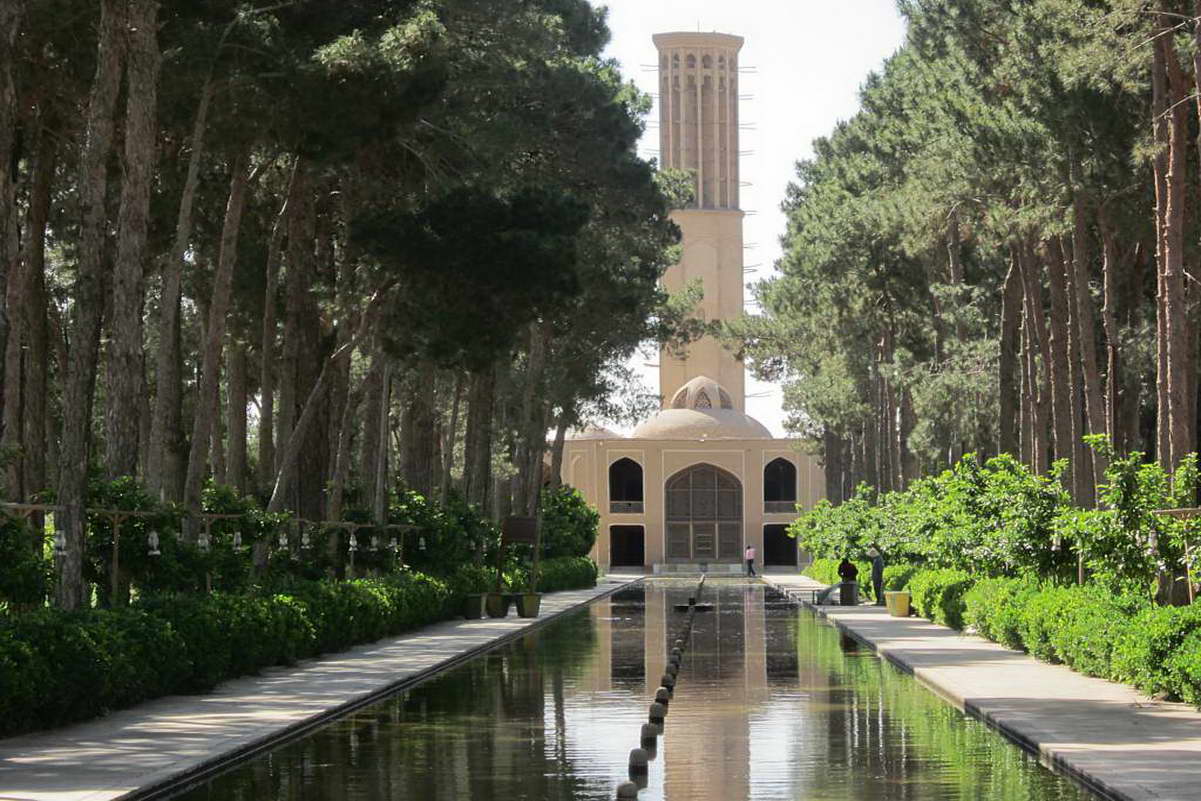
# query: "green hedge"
1089,628
59,667
567,573
938,595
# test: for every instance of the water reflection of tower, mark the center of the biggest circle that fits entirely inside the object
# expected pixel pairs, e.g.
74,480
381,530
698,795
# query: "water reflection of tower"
706,750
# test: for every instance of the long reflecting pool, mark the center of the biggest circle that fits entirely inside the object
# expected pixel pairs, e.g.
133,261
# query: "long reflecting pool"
771,704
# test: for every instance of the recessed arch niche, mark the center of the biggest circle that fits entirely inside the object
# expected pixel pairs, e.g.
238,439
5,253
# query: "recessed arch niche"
704,515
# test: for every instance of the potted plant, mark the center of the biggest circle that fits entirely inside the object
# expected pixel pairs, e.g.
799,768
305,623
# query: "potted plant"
530,601
473,605
497,603
528,604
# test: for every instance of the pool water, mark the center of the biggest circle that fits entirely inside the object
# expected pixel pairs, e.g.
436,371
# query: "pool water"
771,704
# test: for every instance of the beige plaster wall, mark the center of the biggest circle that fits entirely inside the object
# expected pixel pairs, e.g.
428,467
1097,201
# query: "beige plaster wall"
587,468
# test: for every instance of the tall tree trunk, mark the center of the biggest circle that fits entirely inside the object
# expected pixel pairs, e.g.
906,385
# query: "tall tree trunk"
373,398
833,447
1094,399
1109,322
1082,467
556,454
300,242
1177,322
124,385
14,382
235,429
452,433
1060,366
1039,346
87,303
207,396
11,18
909,465
417,431
166,427
1159,114
956,271
477,468
346,429
1009,382
36,321
379,489
267,364
532,429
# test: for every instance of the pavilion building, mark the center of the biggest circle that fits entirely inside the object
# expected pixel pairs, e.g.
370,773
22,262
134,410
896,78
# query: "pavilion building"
692,486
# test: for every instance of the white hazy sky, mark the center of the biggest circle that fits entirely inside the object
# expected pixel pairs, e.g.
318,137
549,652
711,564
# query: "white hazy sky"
811,57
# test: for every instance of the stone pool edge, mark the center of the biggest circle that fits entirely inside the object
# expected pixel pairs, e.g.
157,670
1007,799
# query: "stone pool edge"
1097,766
188,770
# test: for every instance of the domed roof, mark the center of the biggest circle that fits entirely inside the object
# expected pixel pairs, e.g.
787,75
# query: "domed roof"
593,432
701,409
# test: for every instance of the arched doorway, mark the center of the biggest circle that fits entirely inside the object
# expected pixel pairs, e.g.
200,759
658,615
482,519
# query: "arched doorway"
779,486
704,515
625,487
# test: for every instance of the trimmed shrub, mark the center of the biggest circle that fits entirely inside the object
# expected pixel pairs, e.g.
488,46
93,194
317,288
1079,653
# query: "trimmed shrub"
995,607
59,667
569,523
896,577
1160,651
567,573
938,595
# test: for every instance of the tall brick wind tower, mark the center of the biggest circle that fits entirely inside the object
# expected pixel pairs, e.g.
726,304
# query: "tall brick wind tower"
698,131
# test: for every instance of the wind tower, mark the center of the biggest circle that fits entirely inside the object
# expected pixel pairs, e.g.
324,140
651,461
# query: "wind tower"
698,131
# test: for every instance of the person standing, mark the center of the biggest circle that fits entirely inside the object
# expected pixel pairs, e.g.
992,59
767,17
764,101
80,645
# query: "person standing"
877,573
749,555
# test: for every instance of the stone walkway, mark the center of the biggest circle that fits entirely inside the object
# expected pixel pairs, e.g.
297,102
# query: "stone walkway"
1115,740
128,753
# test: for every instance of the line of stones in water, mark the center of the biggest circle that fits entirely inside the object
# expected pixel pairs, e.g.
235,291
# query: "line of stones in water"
657,717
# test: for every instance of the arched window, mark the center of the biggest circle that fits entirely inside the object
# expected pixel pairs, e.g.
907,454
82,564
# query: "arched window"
691,62
707,62
704,515
779,486
625,487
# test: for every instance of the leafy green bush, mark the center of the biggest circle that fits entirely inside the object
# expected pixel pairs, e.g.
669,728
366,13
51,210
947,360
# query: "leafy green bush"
567,573
995,607
1160,651
23,570
569,523
58,667
938,595
896,577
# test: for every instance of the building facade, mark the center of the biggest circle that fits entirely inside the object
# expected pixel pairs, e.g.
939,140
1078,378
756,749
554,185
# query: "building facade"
694,485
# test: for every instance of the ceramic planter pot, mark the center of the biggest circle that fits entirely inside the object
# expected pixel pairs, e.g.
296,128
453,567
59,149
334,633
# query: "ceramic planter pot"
528,604
496,604
473,606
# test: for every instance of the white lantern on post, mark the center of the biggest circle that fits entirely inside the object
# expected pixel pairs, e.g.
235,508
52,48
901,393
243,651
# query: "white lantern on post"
152,541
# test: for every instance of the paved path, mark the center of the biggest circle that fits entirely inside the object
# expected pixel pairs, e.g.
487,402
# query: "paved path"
1108,735
126,753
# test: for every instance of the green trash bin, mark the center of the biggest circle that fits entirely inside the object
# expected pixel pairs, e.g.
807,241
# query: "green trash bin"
897,603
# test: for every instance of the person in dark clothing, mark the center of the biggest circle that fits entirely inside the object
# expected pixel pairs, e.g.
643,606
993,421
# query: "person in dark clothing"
847,570
877,573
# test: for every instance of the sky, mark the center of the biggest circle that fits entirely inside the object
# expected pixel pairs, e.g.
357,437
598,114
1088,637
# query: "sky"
810,57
